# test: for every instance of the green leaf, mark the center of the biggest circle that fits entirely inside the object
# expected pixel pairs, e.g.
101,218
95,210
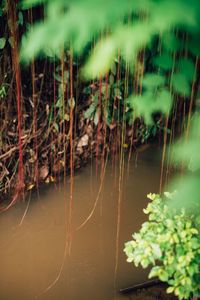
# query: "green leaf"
20,18
30,3
149,102
189,185
163,276
170,289
165,101
152,81
170,42
157,251
3,6
164,61
187,68
187,153
59,103
113,69
2,91
2,42
181,84
101,60
96,118
154,272
111,79
60,79
11,41
130,39
90,111
56,127
144,263
194,45
142,105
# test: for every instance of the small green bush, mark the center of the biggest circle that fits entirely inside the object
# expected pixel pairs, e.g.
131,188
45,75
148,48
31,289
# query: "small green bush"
169,241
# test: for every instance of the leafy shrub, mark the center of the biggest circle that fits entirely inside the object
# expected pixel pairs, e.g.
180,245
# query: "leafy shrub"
169,241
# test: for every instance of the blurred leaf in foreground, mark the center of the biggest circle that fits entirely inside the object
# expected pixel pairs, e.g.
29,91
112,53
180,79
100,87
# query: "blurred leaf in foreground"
188,193
187,153
187,149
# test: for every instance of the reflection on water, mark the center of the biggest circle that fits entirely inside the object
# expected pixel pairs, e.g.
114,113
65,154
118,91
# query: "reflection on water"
32,253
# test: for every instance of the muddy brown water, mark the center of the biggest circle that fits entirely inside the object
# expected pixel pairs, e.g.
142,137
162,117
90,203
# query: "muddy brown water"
33,236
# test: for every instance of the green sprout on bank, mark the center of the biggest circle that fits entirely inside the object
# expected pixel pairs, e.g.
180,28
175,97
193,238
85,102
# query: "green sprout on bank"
170,242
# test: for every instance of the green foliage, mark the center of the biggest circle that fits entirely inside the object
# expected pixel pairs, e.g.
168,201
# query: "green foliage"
92,112
180,84
107,93
20,18
143,133
194,45
187,148
171,42
186,67
7,24
164,61
123,32
151,101
2,43
2,7
78,22
31,3
188,196
3,92
62,104
101,60
152,81
169,241
186,153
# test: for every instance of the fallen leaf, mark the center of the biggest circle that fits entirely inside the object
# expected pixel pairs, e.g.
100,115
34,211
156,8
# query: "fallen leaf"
85,140
30,186
43,172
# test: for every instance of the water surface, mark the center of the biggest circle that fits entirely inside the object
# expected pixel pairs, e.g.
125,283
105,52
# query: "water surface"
32,251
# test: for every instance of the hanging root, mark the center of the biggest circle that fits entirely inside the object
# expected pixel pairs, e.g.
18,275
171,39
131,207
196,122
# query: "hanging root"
97,198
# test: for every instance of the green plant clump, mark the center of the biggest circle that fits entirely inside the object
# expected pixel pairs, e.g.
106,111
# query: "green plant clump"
169,241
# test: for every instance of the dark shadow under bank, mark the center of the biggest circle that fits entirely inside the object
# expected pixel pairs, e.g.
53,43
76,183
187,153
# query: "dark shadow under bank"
151,290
